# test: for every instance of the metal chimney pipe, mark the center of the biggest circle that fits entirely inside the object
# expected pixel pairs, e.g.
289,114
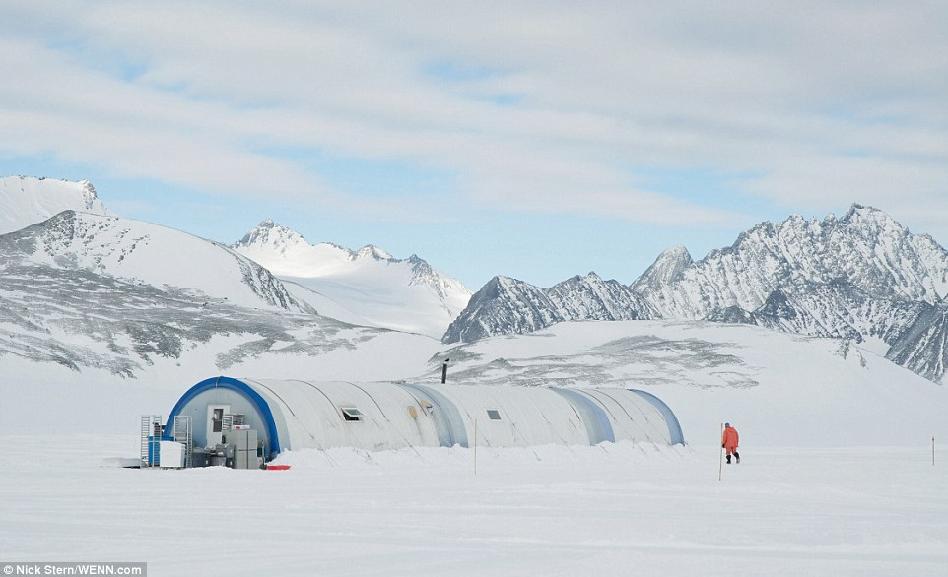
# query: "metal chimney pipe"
444,371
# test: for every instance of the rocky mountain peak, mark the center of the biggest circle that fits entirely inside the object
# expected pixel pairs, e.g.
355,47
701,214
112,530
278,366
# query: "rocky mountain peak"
89,195
503,306
271,235
510,306
373,252
667,268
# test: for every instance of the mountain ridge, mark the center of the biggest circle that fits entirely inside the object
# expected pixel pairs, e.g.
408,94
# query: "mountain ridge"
364,286
863,277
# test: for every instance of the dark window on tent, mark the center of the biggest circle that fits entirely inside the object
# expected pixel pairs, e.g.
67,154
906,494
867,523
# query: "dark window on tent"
218,420
351,414
493,414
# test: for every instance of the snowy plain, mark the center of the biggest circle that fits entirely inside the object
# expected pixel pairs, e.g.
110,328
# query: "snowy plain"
614,509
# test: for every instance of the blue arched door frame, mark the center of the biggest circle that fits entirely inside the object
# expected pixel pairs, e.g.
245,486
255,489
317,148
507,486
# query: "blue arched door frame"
242,388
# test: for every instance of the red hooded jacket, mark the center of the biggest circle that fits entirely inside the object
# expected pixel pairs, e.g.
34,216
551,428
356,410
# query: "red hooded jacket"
729,439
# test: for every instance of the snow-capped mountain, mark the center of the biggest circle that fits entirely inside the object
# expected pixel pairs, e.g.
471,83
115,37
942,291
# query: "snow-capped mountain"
863,277
866,249
148,254
101,293
366,286
27,200
503,306
508,306
667,268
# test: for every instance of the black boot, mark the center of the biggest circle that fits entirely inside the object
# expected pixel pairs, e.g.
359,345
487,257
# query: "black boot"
737,458
728,459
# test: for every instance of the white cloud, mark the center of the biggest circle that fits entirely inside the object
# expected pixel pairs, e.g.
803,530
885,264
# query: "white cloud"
824,104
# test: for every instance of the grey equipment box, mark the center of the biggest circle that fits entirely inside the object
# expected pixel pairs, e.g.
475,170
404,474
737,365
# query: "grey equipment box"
244,444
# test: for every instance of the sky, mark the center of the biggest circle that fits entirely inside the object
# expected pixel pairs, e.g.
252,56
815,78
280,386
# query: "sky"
537,140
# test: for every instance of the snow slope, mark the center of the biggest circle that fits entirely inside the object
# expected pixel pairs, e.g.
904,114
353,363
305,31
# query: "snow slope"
27,200
778,388
367,286
147,254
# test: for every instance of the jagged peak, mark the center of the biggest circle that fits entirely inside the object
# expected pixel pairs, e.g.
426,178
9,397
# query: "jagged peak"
592,276
273,233
269,232
269,224
667,267
493,288
589,277
678,253
859,212
419,265
505,283
374,252
676,250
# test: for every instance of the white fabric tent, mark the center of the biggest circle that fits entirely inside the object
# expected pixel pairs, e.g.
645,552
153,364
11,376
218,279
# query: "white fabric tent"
299,414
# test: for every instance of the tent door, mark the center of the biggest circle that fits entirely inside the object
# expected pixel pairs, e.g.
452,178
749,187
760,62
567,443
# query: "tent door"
215,423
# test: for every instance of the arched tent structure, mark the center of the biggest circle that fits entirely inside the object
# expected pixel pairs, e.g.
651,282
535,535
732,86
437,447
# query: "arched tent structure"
298,414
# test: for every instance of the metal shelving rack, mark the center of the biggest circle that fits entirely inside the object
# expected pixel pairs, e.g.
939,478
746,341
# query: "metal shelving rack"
150,425
182,434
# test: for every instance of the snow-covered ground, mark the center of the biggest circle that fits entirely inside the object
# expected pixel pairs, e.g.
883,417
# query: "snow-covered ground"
606,510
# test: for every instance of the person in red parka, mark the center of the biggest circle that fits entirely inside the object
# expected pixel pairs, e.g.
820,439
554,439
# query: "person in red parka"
729,443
